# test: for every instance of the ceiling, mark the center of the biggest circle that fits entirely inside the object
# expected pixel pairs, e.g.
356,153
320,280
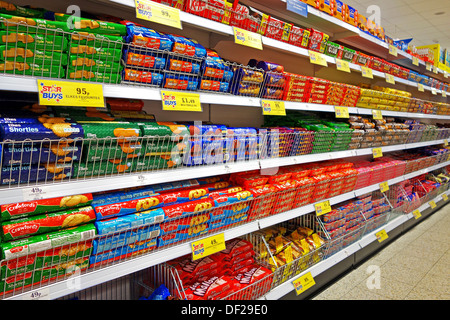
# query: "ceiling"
415,19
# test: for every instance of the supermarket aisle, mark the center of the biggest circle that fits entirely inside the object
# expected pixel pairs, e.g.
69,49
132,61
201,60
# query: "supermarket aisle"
415,266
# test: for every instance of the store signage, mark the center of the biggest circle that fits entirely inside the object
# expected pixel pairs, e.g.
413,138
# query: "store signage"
180,101
432,204
433,91
247,38
381,235
377,115
377,153
444,197
159,13
317,58
273,108
444,94
341,112
298,7
208,246
342,65
70,93
416,214
303,283
435,69
366,72
420,87
428,66
384,186
415,61
393,50
445,142
322,207
389,78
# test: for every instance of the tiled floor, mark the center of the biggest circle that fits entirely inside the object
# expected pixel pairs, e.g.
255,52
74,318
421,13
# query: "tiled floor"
415,266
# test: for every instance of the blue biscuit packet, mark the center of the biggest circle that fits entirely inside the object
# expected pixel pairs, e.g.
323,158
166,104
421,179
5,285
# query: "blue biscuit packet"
144,58
20,132
14,154
130,221
180,81
18,120
33,173
122,252
145,37
124,238
187,47
180,65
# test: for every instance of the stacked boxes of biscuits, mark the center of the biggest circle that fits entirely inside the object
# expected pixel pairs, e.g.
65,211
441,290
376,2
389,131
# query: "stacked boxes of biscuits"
37,146
31,45
216,73
274,79
95,49
42,240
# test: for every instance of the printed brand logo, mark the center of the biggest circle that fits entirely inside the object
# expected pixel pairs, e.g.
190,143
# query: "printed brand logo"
109,209
169,100
24,229
23,207
52,92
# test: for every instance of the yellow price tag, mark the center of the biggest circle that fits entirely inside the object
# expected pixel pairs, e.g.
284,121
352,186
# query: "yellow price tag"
342,65
389,78
273,108
341,112
393,50
159,13
384,186
444,197
207,246
445,142
444,94
303,283
377,115
445,74
180,101
381,235
247,38
317,58
377,153
428,66
432,204
322,207
416,214
433,91
69,93
435,69
415,61
420,87
366,72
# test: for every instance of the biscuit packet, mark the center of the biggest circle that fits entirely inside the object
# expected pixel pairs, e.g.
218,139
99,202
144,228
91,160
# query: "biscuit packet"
31,25
39,224
93,26
30,208
34,41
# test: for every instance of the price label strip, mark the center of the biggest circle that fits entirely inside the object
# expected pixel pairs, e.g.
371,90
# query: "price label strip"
389,78
317,58
180,101
384,187
444,197
70,93
273,108
415,61
428,66
393,50
159,13
366,72
377,153
247,38
416,214
342,65
381,235
322,207
207,246
432,204
420,87
377,115
341,112
303,283
34,193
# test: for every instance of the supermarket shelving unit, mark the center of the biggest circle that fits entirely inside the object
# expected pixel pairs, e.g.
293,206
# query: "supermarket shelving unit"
218,32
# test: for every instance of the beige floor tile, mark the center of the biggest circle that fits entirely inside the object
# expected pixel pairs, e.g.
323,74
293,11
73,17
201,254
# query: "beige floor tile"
361,292
422,253
402,274
424,294
435,282
393,289
405,261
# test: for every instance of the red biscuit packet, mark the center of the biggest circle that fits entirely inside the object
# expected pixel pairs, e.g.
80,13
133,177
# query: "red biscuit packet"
252,282
212,288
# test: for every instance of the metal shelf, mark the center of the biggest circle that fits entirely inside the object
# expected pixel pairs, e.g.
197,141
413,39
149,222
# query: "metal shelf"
90,279
324,265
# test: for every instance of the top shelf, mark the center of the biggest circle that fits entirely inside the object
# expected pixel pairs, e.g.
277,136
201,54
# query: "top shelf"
337,29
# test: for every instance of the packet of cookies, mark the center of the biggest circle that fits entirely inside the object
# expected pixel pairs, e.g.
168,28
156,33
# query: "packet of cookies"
44,223
32,25
34,41
50,131
30,208
93,26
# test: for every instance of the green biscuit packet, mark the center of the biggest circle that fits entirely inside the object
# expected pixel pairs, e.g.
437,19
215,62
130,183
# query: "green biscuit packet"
26,246
93,76
15,10
32,69
18,54
96,40
34,41
31,25
93,26
101,65
96,53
